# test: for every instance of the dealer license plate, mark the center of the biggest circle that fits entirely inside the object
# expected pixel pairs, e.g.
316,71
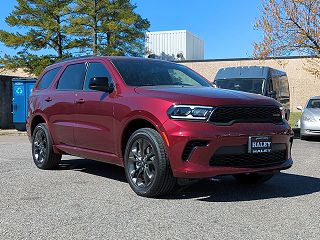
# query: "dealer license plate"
261,144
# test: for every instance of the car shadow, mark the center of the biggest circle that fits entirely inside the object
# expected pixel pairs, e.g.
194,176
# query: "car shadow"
313,139
220,189
95,168
226,189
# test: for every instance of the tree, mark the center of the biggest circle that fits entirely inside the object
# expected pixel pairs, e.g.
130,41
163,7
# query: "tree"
31,63
44,24
290,27
109,27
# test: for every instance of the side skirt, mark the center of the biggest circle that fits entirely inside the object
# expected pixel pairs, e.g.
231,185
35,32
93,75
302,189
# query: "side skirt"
90,154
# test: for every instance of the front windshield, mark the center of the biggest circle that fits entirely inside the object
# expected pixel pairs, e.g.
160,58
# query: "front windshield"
157,73
251,85
313,103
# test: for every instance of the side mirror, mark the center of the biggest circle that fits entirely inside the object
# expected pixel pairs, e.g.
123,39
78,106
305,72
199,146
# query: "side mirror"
300,108
273,94
101,84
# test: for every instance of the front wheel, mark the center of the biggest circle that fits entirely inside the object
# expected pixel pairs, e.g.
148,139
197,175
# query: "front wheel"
147,165
253,178
42,150
302,137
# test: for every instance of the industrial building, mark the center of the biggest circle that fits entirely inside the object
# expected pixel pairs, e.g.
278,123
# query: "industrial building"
174,45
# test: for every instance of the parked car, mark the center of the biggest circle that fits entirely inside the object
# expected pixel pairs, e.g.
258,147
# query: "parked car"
265,81
310,118
161,121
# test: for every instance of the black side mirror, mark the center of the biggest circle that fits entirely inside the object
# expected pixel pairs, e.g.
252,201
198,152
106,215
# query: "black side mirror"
273,94
101,84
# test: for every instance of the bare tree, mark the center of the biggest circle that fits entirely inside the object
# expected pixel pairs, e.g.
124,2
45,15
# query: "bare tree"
290,27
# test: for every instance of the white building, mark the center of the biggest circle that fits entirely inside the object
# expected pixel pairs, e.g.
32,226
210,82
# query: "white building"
174,45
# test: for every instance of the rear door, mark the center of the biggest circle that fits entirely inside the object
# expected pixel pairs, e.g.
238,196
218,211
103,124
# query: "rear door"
63,109
94,113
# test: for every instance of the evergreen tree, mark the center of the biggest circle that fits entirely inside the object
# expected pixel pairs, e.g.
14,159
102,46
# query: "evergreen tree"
109,27
44,25
31,63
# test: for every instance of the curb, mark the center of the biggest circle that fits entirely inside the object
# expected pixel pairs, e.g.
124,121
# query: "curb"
11,132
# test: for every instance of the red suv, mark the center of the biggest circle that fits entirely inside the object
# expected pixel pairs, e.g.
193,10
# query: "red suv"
160,120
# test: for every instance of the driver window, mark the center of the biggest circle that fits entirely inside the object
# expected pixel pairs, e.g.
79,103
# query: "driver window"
180,78
95,69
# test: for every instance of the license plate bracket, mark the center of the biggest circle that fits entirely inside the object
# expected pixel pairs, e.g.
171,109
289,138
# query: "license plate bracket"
260,144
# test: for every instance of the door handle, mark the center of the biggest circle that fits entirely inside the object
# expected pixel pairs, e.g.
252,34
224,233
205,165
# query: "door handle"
81,100
48,99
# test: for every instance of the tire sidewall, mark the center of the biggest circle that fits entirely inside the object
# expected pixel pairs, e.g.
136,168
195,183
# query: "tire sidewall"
142,133
41,127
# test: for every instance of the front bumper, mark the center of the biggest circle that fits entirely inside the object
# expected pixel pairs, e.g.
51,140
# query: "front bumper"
310,128
197,165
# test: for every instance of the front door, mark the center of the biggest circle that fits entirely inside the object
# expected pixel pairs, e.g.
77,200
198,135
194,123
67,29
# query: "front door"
94,128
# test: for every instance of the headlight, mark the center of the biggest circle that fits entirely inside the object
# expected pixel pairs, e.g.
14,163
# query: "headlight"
190,112
308,118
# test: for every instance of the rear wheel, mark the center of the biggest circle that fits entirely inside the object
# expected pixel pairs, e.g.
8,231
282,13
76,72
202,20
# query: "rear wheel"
42,150
253,178
147,165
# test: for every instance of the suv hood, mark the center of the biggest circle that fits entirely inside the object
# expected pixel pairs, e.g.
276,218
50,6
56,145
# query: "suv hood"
205,96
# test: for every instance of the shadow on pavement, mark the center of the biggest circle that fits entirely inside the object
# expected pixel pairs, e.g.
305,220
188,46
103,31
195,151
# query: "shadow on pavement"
226,189
95,168
221,189
313,139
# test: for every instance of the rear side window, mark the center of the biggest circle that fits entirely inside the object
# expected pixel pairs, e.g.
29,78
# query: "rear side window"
95,70
72,78
47,78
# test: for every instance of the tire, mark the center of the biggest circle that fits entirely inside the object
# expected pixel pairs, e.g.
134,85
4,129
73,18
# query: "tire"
42,150
302,137
253,178
147,165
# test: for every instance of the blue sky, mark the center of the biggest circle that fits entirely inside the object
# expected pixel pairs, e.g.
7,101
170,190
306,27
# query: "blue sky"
226,26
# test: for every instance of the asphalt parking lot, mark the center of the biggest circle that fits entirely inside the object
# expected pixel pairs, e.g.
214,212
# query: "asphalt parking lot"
90,200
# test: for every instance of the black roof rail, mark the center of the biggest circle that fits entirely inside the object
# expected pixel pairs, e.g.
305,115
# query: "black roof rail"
75,58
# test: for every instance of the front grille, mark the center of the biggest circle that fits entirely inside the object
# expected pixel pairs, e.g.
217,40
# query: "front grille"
249,159
190,146
227,115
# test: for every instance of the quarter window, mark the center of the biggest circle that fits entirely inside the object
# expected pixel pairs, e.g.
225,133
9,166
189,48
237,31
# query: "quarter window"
47,78
72,77
95,70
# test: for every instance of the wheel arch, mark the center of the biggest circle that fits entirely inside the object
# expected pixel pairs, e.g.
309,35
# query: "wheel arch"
37,119
132,126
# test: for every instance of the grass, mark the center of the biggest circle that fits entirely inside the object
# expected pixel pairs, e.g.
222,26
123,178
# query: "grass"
294,117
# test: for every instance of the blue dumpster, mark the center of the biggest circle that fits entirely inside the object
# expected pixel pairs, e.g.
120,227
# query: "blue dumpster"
21,89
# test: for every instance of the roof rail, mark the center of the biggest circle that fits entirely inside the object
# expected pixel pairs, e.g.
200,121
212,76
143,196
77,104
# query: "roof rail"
75,58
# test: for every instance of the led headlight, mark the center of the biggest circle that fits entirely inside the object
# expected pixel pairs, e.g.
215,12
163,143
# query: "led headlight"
190,112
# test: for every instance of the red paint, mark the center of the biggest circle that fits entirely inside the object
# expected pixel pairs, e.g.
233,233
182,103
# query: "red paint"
91,124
